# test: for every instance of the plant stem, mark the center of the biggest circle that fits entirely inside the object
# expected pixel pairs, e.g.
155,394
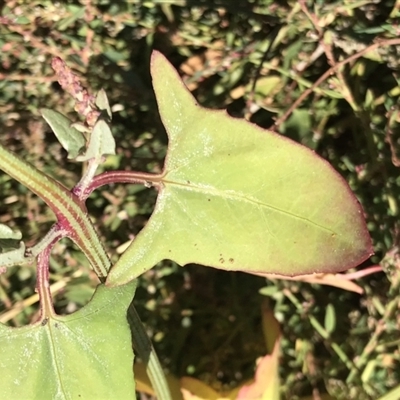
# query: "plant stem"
54,234
43,285
362,359
145,349
87,177
327,74
106,178
68,208
321,330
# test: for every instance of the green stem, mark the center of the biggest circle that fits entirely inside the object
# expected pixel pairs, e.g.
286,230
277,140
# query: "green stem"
67,207
145,349
43,286
364,357
54,234
87,177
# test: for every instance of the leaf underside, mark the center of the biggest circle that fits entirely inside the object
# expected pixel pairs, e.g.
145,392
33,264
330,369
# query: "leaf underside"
85,355
71,139
101,142
237,197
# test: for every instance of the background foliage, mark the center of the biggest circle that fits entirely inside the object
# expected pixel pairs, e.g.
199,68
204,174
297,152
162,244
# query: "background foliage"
255,58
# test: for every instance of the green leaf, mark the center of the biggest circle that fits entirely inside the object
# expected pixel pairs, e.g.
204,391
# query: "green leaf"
299,125
330,318
74,13
234,196
6,233
14,257
101,142
12,250
70,138
394,394
102,103
85,355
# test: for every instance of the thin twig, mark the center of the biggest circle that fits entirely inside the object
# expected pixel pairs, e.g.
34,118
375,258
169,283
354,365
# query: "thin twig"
329,72
326,44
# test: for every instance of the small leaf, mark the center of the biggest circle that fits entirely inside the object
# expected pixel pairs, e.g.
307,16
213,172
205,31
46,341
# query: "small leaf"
101,142
14,257
12,250
330,318
269,291
70,138
7,233
102,103
85,355
234,196
266,85
298,126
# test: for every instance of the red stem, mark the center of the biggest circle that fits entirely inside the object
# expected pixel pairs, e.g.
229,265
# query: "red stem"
43,284
106,178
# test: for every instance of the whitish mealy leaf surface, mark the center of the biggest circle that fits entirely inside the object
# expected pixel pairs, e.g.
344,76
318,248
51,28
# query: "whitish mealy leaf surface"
9,258
6,233
103,104
86,355
12,250
70,138
237,197
101,142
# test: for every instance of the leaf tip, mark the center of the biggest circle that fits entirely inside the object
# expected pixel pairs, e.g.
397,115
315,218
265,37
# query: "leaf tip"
155,58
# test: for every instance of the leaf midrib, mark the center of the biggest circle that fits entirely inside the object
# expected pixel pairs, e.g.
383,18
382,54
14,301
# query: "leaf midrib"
234,195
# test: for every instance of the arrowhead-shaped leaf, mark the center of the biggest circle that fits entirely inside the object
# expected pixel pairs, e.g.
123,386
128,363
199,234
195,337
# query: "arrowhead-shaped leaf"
102,103
101,142
234,196
70,138
86,355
